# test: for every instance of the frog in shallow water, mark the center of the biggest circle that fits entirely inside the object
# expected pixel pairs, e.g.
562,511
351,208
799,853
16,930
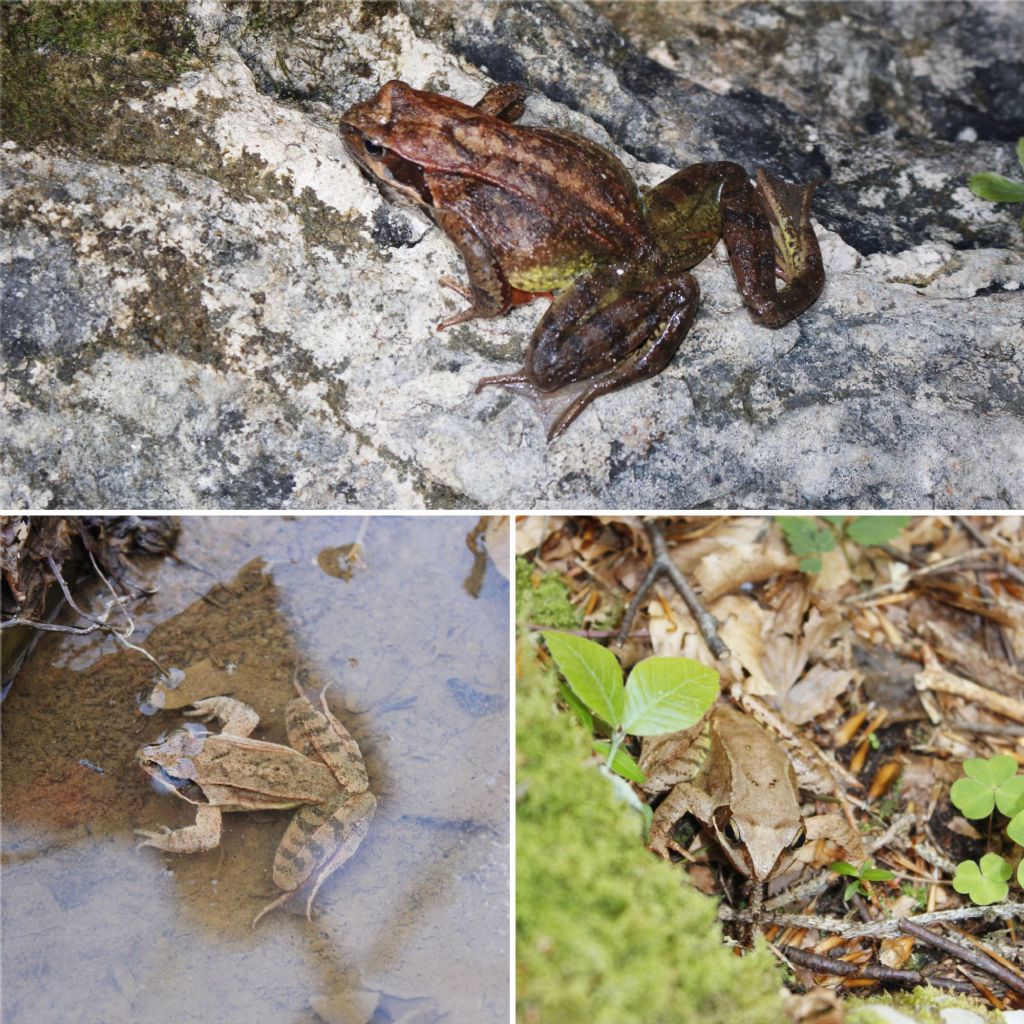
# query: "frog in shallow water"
535,211
321,773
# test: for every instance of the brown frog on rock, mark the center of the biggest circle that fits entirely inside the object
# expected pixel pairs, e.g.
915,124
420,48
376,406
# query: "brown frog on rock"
541,210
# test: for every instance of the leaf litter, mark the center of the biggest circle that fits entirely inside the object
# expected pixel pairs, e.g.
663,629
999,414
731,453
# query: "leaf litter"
884,670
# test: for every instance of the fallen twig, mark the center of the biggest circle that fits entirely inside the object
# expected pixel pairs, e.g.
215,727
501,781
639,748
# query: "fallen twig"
877,929
662,564
935,678
977,957
872,972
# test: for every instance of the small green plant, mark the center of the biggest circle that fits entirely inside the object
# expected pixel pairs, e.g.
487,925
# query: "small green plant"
990,784
661,695
811,537
997,189
862,877
985,880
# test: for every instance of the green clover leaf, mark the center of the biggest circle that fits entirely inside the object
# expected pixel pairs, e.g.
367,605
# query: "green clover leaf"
984,881
990,781
1015,830
1010,797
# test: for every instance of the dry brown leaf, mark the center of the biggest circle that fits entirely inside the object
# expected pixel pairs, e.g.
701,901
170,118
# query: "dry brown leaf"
786,656
815,693
722,571
730,532
835,572
819,1006
840,840
896,952
742,625
962,827
665,621
532,531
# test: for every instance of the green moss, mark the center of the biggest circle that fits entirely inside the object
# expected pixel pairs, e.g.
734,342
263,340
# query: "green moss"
923,1005
605,932
544,601
65,65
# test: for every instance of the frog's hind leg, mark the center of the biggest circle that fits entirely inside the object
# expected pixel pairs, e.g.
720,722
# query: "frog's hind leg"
610,334
319,735
768,233
315,846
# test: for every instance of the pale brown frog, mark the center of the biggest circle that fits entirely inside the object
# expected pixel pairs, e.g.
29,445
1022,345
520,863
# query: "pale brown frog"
540,210
322,773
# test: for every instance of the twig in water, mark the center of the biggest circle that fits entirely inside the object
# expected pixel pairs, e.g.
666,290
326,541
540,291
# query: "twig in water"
662,564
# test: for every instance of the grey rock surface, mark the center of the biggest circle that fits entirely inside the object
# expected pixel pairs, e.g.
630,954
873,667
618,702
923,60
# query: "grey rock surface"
205,305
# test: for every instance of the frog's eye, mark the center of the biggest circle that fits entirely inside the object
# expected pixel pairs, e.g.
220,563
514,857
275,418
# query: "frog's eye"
731,832
798,840
372,148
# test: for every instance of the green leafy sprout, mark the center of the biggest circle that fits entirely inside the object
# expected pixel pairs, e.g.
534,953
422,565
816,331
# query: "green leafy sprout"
661,695
990,784
810,537
861,876
997,189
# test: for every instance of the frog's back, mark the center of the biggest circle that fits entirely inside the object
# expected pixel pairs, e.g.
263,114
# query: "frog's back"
550,203
245,774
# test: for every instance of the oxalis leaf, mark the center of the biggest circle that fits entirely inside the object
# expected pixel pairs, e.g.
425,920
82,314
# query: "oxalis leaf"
985,881
592,671
990,780
667,694
1010,796
1015,830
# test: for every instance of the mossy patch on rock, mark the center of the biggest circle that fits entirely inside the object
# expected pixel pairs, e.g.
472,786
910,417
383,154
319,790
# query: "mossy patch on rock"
67,64
604,931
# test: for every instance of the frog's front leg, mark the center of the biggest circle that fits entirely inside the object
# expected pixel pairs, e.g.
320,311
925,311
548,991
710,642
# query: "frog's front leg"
236,718
612,327
198,838
489,291
503,101
685,798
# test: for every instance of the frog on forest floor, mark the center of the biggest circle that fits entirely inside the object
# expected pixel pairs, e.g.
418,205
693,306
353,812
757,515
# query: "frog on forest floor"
535,211
740,786
322,773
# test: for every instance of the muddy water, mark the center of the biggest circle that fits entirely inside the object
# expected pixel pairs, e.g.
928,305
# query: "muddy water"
413,928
